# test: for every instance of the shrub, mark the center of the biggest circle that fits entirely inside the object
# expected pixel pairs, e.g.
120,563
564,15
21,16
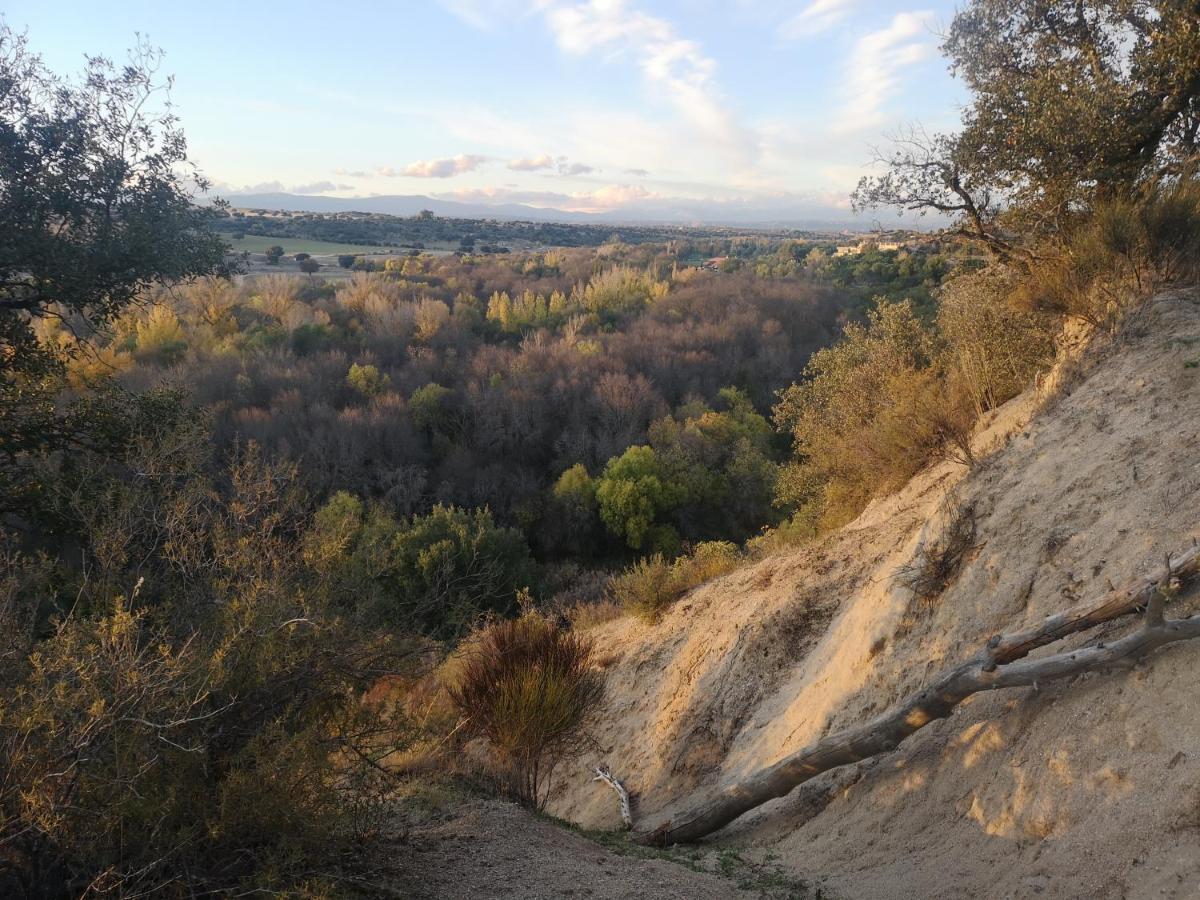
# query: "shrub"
862,422
939,557
205,730
527,686
994,349
1120,252
652,584
646,588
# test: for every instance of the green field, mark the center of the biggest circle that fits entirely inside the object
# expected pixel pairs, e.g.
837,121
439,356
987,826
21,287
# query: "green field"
253,243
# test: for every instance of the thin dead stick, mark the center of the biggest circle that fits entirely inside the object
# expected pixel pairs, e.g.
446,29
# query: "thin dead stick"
603,774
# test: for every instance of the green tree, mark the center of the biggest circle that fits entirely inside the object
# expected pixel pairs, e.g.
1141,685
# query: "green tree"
309,266
346,260
274,253
634,494
437,573
1072,104
367,380
96,200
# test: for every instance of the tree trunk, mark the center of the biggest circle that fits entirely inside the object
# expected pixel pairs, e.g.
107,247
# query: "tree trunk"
1000,664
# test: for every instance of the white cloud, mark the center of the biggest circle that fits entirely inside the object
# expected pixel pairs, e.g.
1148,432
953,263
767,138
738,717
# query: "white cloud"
482,14
616,195
351,173
876,66
438,168
817,17
320,187
637,173
532,163
609,197
675,65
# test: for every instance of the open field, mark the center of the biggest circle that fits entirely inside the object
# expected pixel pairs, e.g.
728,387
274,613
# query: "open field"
253,243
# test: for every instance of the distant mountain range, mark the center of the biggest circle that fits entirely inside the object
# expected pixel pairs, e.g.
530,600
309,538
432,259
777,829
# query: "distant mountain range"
645,212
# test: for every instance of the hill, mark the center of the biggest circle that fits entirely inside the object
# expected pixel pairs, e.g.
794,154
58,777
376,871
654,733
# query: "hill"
1084,788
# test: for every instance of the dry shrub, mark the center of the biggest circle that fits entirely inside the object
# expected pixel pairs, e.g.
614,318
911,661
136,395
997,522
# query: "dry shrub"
994,349
1120,253
652,584
587,614
527,686
938,559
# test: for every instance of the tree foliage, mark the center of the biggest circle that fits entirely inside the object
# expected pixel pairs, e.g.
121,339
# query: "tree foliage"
1072,104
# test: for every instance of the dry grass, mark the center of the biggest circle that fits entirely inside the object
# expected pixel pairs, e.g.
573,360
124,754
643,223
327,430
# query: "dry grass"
649,586
938,559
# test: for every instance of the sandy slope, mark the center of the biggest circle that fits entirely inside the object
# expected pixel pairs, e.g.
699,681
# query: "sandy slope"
1089,788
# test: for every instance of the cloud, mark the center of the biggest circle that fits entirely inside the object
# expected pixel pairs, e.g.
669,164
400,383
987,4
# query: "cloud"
532,163
321,187
570,168
817,17
876,65
437,168
278,187
675,65
483,14
606,198
351,173
618,195
499,195
637,173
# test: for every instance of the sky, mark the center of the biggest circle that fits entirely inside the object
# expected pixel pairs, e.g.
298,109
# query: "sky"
586,105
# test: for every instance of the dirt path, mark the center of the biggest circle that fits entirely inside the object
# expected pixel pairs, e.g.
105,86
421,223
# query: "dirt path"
482,849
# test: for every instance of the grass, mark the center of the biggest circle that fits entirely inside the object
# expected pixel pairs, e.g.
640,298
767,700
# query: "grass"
767,878
253,243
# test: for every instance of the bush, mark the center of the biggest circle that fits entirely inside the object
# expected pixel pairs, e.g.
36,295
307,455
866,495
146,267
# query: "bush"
994,349
866,419
203,730
652,584
939,558
1119,253
527,686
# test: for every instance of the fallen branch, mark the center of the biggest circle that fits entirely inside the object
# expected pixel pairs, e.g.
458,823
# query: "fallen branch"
603,774
1001,664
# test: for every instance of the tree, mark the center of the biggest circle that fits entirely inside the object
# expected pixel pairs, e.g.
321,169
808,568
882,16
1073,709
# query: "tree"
308,266
367,380
96,199
301,257
94,192
346,260
1072,104
634,494
274,253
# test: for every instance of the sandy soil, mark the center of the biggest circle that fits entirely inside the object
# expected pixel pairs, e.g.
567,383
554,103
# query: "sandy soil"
1088,788
491,849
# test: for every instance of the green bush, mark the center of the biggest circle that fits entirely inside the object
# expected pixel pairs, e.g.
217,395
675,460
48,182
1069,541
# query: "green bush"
994,349
648,587
203,730
868,417
435,573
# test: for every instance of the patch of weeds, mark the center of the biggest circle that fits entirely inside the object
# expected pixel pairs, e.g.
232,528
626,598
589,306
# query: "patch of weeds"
768,879
1192,364
938,559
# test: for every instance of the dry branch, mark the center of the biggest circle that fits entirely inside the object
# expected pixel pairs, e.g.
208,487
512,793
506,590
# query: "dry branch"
603,774
1001,664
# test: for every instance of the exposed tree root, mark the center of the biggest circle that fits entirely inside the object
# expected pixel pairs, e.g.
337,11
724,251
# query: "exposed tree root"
1001,664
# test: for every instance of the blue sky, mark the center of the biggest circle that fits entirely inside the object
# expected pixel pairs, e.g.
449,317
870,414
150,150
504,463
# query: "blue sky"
575,104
